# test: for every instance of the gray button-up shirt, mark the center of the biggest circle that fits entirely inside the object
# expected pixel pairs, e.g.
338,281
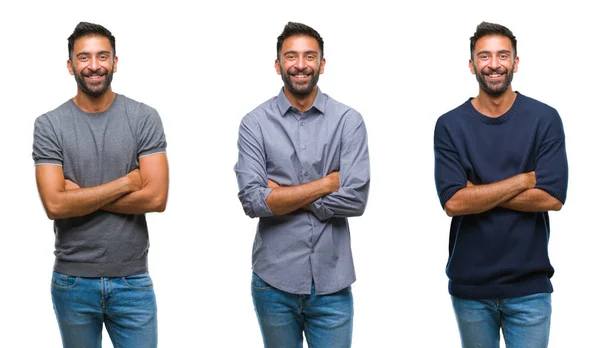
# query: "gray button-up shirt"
278,142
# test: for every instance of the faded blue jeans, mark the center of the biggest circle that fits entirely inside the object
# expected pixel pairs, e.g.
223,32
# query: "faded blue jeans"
126,305
325,319
525,321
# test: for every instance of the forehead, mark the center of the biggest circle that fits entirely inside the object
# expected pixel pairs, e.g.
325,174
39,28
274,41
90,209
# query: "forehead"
493,43
300,43
92,43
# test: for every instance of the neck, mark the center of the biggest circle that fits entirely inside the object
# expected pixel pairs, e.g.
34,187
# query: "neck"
97,104
494,105
301,102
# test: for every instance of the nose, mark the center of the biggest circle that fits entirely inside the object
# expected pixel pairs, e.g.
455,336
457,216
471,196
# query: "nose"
300,62
494,62
94,63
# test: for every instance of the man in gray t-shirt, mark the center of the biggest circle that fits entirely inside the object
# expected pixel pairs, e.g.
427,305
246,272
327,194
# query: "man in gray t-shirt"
100,166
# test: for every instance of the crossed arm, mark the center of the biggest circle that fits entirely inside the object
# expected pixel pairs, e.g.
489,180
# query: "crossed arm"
284,200
141,191
515,193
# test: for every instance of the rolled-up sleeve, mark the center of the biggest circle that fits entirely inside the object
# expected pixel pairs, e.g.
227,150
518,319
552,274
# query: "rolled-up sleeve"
351,198
551,169
251,170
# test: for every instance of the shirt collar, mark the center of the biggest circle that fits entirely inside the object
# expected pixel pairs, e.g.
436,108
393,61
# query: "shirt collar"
284,104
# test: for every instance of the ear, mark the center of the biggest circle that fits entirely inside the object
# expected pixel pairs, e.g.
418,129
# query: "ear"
115,61
70,67
472,66
277,67
322,69
516,64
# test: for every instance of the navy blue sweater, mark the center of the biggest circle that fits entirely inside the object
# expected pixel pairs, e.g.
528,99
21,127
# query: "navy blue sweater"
500,253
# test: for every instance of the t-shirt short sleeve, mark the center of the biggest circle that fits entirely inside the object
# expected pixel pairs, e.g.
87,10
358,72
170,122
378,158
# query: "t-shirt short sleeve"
46,147
151,135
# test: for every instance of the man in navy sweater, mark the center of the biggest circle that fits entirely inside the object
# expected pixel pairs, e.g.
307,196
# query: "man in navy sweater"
500,166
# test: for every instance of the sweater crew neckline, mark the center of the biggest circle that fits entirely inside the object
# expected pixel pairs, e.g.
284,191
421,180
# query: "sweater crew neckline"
495,120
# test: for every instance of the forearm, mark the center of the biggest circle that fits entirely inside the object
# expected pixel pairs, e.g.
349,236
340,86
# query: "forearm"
475,199
346,202
283,200
83,201
152,197
138,202
532,200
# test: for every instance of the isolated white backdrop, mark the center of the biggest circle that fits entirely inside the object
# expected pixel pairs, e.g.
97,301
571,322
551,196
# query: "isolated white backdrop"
205,66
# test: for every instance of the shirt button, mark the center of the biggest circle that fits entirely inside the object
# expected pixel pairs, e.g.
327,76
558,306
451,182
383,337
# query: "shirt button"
303,147
301,123
305,173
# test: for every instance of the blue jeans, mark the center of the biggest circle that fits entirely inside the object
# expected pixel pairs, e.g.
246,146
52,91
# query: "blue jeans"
525,321
325,319
126,306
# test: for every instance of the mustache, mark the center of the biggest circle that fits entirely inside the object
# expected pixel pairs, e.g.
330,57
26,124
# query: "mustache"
296,71
100,71
498,70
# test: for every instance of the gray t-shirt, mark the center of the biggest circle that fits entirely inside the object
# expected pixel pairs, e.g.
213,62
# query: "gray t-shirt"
93,149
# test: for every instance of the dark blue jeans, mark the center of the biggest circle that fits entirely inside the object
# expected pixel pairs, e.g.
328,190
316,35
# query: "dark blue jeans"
326,320
126,306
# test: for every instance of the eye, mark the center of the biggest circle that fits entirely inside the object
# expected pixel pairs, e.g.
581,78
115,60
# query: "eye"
290,56
484,56
504,56
83,58
311,57
103,57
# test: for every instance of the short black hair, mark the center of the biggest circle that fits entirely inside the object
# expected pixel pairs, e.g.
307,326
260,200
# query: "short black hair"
86,29
293,28
486,28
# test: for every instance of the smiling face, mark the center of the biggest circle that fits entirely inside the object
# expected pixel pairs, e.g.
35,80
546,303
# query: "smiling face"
493,64
93,64
300,63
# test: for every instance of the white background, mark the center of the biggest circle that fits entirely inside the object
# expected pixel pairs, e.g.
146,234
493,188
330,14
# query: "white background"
205,67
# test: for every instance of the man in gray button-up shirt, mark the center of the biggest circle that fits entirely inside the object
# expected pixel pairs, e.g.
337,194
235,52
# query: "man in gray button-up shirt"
303,168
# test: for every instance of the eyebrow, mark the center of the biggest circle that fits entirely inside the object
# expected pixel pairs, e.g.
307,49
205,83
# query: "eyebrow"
88,53
488,52
296,52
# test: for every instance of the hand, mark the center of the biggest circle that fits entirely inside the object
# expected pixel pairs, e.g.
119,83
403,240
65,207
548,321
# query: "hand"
69,185
334,181
272,184
135,179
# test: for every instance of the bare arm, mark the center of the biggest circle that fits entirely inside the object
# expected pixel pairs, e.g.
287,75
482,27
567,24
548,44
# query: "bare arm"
283,200
61,203
152,197
532,200
477,199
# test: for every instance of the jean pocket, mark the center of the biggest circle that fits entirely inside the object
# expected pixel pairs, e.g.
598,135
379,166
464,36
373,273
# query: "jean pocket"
138,281
63,281
259,284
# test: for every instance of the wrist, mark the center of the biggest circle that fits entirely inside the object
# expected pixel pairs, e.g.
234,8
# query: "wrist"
128,184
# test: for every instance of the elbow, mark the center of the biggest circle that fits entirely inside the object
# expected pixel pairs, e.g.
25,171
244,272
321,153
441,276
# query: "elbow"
248,210
451,209
51,215
159,204
556,206
54,211
360,208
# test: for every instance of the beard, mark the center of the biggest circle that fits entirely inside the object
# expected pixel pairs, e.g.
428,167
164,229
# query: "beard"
94,89
300,89
494,89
